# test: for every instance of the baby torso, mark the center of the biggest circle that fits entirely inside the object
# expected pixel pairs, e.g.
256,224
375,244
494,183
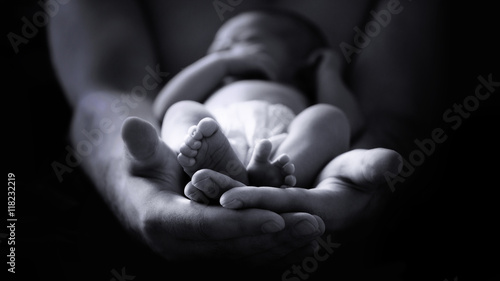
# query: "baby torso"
251,110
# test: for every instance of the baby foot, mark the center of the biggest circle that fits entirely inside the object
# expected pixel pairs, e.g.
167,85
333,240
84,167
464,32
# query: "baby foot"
262,172
206,147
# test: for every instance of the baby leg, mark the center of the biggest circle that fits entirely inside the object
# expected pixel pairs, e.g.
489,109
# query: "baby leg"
205,146
331,89
263,172
179,118
315,137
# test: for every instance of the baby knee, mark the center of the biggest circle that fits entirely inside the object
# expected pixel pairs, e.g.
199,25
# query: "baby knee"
331,120
328,115
183,106
184,109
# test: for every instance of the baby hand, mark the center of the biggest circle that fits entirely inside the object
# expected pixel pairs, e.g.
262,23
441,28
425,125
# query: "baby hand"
326,59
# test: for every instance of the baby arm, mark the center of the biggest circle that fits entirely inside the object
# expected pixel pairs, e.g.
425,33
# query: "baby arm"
193,83
331,89
198,80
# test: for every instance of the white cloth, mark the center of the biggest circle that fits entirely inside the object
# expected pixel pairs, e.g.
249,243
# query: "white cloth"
245,123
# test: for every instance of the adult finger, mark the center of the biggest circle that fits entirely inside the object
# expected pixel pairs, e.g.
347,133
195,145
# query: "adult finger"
211,184
301,230
358,169
294,241
195,194
187,219
280,200
364,168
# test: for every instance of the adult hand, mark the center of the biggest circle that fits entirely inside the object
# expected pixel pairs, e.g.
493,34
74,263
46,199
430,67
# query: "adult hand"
348,189
181,229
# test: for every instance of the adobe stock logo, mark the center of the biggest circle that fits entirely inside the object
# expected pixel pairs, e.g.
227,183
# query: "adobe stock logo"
121,107
40,19
372,29
453,117
310,264
221,7
123,276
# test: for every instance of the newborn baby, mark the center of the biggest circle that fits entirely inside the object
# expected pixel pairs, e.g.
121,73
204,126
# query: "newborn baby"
268,115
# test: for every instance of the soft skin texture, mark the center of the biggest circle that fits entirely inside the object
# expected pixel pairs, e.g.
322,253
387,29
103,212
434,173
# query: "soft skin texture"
137,181
337,201
281,47
100,49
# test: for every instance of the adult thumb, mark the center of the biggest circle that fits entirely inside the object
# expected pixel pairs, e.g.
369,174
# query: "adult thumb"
366,168
145,149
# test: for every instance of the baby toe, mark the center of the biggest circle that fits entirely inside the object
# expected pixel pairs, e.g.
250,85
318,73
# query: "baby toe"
262,151
282,160
188,151
194,133
207,127
289,169
192,142
185,161
290,180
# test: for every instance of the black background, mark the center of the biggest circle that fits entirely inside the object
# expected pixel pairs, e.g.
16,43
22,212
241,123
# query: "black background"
443,224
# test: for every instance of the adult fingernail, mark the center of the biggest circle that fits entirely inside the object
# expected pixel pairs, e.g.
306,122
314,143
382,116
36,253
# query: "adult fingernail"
304,228
233,204
270,227
206,185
